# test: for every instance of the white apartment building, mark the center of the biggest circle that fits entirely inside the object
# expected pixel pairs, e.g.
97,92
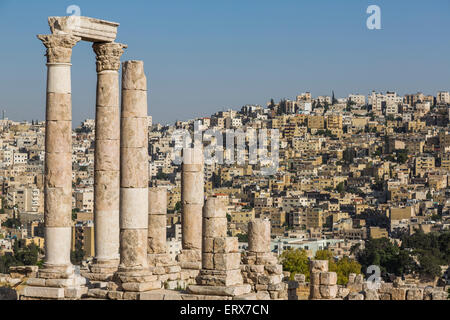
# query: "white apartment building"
443,97
20,158
359,99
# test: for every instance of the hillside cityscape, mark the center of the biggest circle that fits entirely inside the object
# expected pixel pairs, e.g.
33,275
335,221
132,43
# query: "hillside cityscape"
361,181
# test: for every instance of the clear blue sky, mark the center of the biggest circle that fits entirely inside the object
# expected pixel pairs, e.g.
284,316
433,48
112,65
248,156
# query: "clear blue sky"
206,55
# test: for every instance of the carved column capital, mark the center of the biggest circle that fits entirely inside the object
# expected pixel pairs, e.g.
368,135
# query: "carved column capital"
59,46
108,55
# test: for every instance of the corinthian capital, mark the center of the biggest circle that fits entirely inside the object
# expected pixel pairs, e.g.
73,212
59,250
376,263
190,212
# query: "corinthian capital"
108,55
59,46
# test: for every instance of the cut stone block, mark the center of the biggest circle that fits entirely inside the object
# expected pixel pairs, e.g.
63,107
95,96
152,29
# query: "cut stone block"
44,292
220,291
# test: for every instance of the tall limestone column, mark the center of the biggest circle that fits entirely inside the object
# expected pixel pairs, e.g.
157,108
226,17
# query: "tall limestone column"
58,157
107,161
133,272
192,199
57,280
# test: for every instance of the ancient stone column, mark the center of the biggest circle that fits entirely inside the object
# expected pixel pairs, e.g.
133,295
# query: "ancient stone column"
259,236
107,161
58,157
157,221
261,269
192,198
164,267
133,271
214,226
221,272
316,267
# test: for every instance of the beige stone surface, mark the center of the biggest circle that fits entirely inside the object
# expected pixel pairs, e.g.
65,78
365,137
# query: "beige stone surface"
58,170
88,29
192,185
108,55
134,167
140,287
227,261
355,296
193,158
108,91
106,155
59,107
157,201
58,137
107,124
133,248
157,234
319,265
233,291
259,235
315,278
44,292
188,255
134,132
213,277
59,78
191,222
214,227
107,236
133,75
59,47
58,207
226,245
208,244
192,167
414,294
266,258
214,208
136,98
398,293
35,282
156,244
328,278
107,190
57,244
328,291
370,294
208,261
134,208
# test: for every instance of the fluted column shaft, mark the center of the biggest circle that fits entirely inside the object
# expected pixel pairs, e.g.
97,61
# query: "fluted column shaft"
58,154
107,156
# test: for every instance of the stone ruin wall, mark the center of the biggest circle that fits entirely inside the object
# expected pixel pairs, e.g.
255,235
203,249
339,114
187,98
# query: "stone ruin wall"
323,286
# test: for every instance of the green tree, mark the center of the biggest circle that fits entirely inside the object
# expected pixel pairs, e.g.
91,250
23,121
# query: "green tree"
340,187
389,256
343,267
242,237
178,206
429,266
78,254
12,223
28,255
296,262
